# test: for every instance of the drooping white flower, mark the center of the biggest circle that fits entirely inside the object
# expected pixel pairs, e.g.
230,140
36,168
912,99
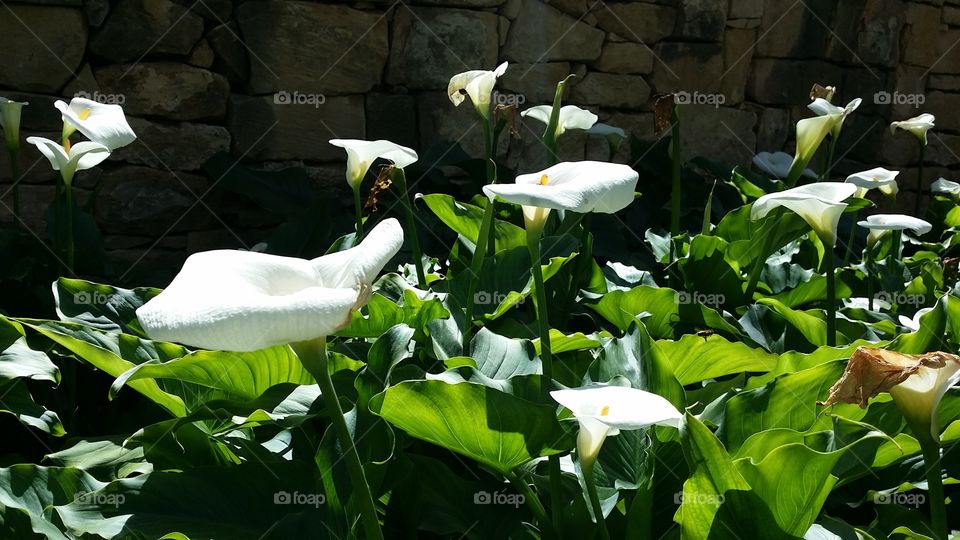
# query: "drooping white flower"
81,156
603,411
101,123
579,186
917,383
822,107
810,134
820,205
879,178
244,301
777,164
10,121
571,117
947,187
881,224
361,155
478,85
918,126
914,324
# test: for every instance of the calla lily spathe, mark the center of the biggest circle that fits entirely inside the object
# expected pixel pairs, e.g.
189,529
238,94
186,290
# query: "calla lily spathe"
918,126
810,134
881,224
822,107
946,187
477,85
361,155
81,156
917,383
820,205
571,117
10,121
879,178
778,164
244,301
580,186
913,324
101,123
603,411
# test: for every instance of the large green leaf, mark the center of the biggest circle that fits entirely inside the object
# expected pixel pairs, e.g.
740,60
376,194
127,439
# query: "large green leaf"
35,491
666,308
103,307
465,220
18,360
484,424
696,358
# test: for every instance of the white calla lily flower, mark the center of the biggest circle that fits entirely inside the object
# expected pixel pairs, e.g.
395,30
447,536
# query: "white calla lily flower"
361,155
810,134
917,383
879,178
101,123
571,117
823,107
914,324
918,126
477,85
881,224
579,186
777,164
820,205
947,187
10,121
244,301
603,411
81,156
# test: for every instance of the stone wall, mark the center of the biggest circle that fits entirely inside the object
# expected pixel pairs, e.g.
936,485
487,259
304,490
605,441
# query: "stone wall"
272,80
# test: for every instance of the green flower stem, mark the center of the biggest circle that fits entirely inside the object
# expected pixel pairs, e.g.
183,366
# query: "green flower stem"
916,203
546,358
313,356
531,499
68,195
358,210
675,151
476,267
595,499
868,266
401,179
851,238
761,259
581,265
829,165
828,264
931,463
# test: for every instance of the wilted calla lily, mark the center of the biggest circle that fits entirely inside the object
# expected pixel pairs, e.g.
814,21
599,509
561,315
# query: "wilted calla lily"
946,187
10,122
101,123
244,301
580,186
478,85
881,224
362,154
604,410
917,383
918,126
820,205
822,107
777,164
878,178
571,117
81,156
